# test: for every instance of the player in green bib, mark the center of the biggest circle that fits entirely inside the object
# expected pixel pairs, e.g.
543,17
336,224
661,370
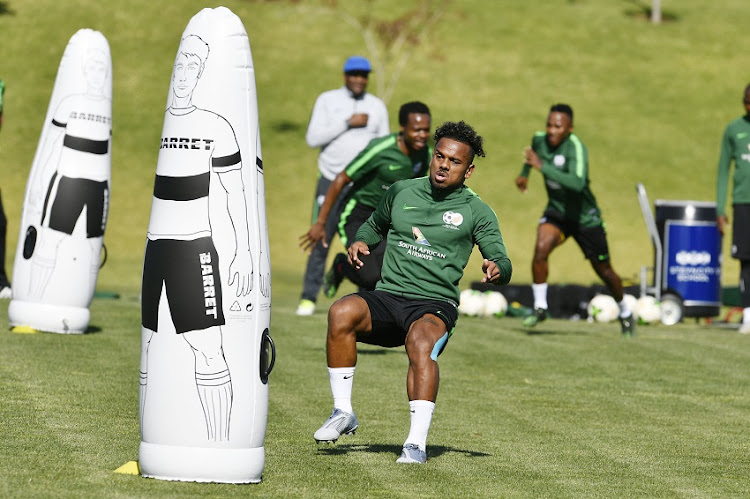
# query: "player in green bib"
560,156
429,226
382,162
735,147
5,289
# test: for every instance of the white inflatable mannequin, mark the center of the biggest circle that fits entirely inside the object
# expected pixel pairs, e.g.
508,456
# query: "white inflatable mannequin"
206,351
67,195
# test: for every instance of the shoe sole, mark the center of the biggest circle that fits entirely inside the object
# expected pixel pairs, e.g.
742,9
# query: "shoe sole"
333,441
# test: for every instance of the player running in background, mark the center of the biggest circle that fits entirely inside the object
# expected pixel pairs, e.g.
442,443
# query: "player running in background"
5,289
429,226
735,145
560,156
397,156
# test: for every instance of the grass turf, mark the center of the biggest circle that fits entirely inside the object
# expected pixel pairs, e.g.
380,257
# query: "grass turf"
568,409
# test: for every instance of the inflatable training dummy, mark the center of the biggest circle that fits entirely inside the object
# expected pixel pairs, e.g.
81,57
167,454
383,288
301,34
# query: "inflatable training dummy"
67,195
206,293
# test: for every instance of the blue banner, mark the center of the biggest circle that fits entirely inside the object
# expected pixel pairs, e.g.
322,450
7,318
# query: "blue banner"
692,256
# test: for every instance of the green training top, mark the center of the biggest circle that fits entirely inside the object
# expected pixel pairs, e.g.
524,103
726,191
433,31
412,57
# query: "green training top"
735,145
566,175
379,165
430,238
2,91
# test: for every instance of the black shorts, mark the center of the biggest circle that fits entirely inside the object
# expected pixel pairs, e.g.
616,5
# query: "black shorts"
741,232
189,271
591,240
392,316
71,195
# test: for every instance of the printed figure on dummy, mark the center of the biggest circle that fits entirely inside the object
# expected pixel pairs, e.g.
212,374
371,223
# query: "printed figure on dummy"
74,174
66,202
180,235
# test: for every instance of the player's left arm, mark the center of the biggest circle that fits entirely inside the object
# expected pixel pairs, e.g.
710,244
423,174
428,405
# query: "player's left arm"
241,267
575,175
496,266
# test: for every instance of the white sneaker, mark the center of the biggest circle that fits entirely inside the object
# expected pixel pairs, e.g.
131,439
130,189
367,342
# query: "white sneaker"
306,307
340,423
744,328
6,293
411,453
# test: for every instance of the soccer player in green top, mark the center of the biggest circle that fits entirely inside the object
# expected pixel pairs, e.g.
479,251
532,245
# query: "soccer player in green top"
562,159
429,226
735,146
382,162
5,290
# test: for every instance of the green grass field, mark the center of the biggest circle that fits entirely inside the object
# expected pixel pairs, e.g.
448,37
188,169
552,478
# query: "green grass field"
569,411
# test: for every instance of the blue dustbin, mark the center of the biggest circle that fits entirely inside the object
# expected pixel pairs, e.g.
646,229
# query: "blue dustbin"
692,254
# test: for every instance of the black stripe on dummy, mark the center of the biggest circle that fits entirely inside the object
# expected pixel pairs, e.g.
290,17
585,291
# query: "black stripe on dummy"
46,197
233,159
86,145
181,188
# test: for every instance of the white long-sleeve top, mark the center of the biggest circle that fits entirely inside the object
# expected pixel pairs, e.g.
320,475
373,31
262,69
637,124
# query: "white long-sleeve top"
329,128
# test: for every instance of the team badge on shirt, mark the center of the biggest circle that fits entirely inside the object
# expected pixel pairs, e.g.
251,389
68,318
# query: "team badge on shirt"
558,160
452,219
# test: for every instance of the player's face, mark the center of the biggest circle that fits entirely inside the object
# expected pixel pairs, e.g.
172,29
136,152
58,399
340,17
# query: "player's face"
356,82
187,70
450,165
559,128
416,132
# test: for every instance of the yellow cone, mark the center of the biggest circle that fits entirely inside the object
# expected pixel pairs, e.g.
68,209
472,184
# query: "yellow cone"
23,330
129,468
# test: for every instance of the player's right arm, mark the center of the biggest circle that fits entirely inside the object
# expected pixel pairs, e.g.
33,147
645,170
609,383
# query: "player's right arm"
317,230
375,228
722,179
522,180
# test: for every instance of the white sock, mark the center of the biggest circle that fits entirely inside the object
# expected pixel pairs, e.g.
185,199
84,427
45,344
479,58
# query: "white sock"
540,295
421,417
341,379
624,309
746,315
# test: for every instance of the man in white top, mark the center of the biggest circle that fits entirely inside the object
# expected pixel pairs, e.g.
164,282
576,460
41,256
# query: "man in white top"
343,122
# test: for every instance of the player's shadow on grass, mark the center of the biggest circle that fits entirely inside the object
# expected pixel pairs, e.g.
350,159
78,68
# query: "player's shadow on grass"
379,350
432,450
542,330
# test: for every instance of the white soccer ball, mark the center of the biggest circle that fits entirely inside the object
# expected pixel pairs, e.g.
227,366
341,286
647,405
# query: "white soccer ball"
472,303
632,302
648,310
603,308
495,304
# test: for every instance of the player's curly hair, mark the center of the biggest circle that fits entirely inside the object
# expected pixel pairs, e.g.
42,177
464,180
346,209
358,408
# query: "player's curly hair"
461,132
